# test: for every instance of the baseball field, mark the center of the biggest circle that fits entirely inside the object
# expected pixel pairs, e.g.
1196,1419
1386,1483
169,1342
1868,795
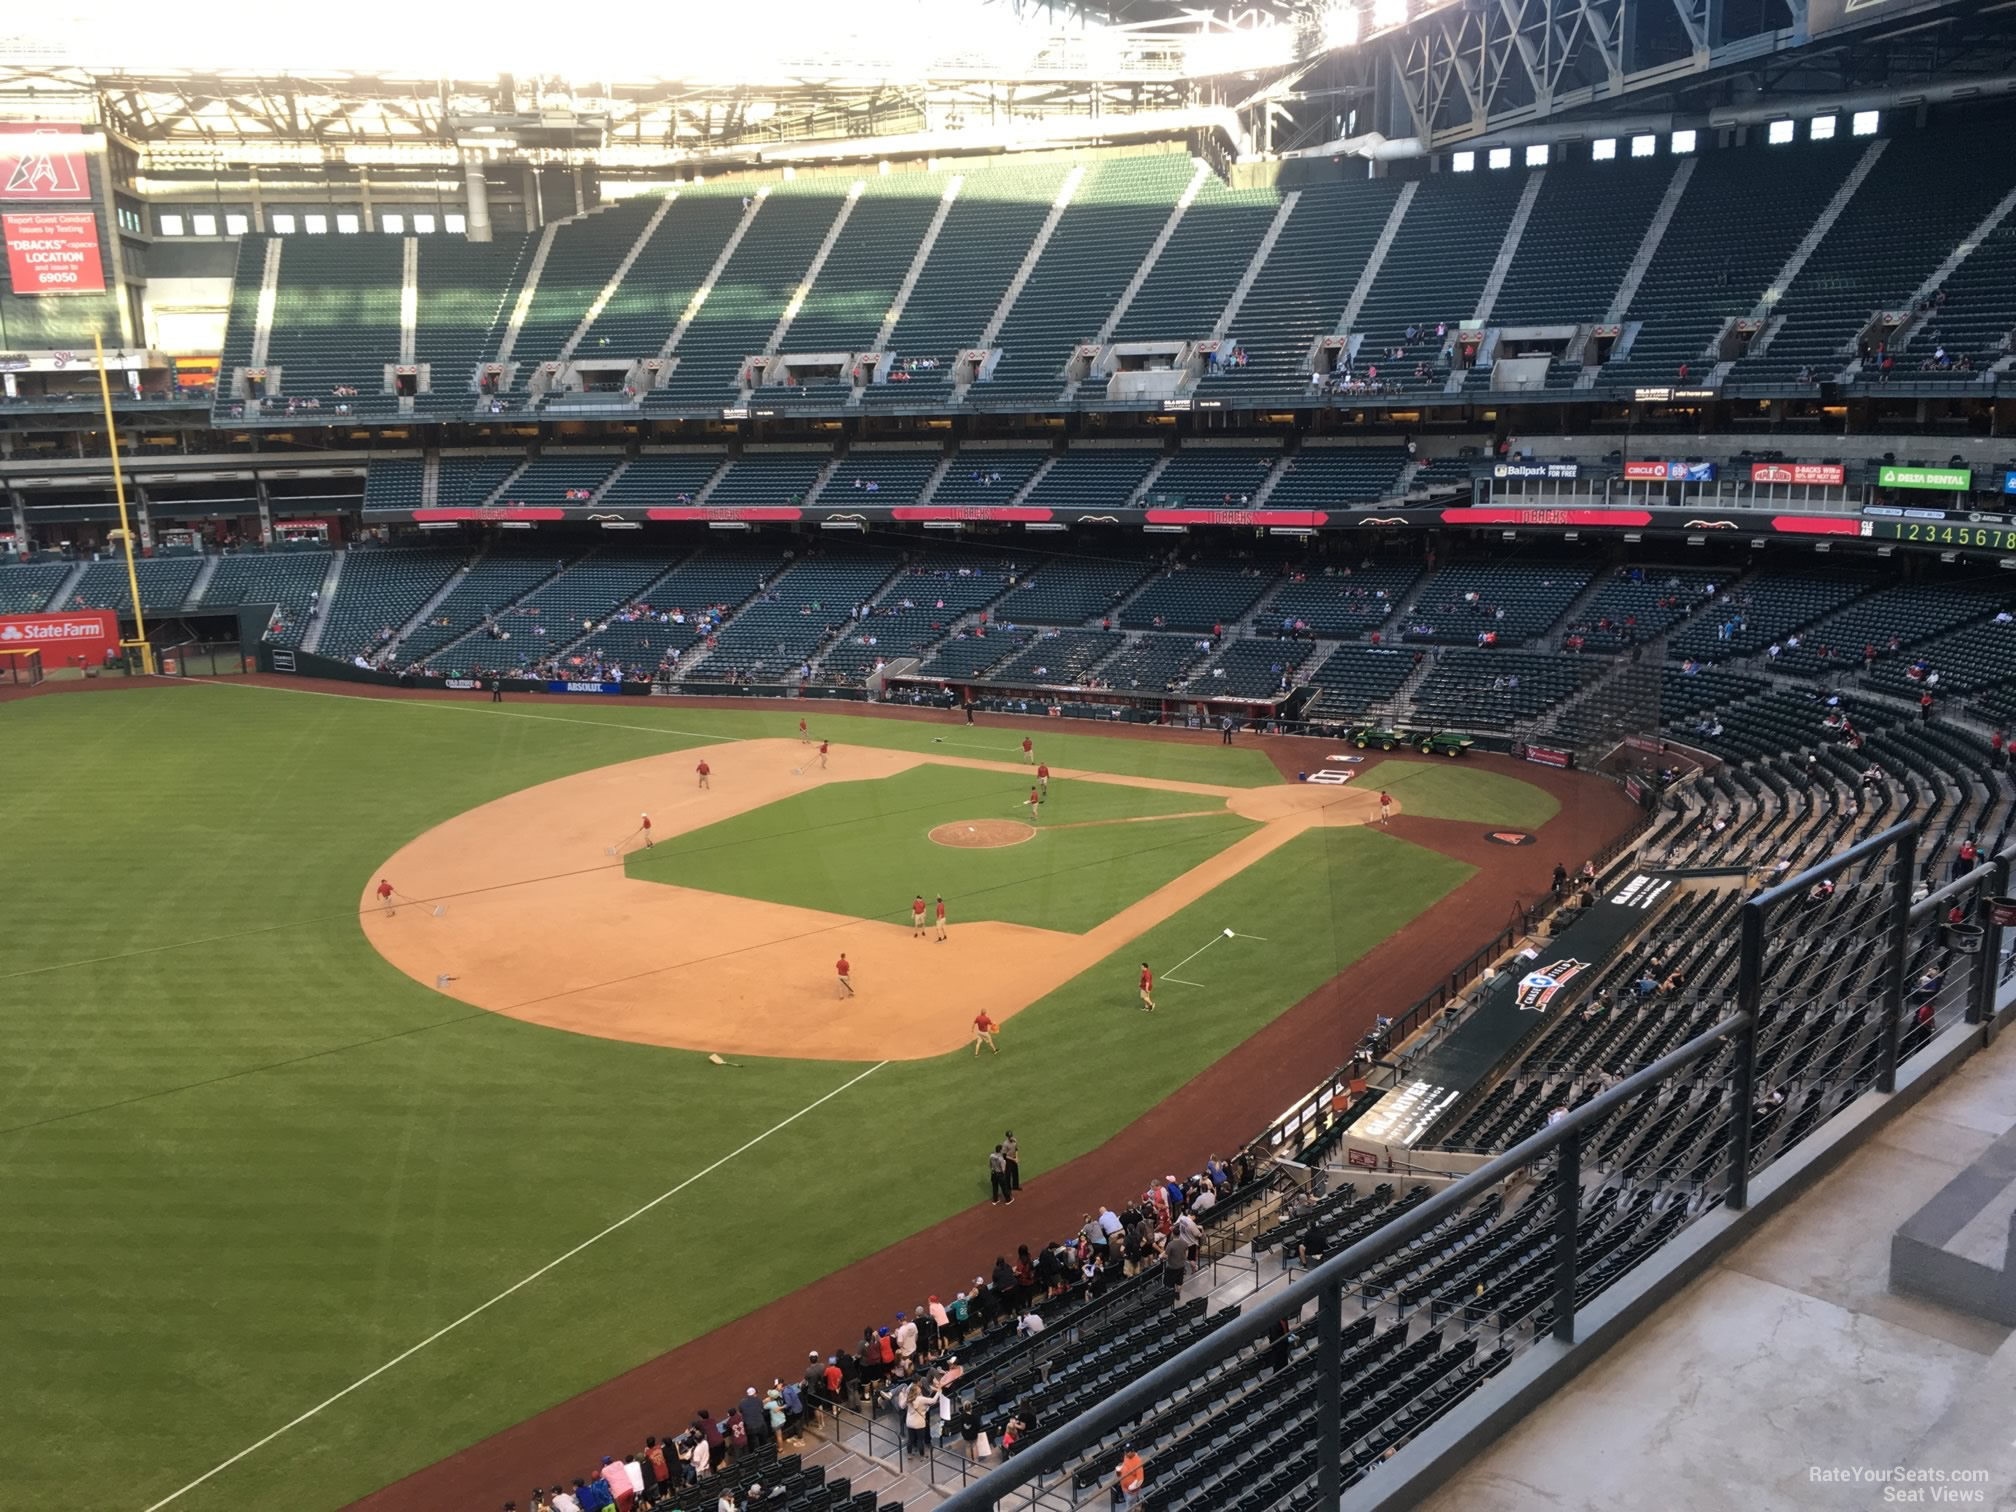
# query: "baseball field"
305,1191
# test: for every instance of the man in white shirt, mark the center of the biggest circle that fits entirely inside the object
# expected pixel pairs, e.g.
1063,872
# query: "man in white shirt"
906,1336
1031,1324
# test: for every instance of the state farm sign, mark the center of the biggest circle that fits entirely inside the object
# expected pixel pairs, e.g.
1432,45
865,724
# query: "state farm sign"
1830,474
42,161
53,252
65,640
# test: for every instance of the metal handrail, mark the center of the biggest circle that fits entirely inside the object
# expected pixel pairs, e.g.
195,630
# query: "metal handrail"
1324,1286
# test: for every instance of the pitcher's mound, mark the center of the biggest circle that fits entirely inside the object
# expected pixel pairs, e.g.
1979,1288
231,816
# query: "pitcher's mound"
983,834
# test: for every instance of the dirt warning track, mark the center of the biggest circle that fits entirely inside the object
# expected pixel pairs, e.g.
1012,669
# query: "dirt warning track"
541,923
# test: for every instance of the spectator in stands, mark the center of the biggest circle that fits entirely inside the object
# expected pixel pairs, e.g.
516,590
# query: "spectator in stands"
1131,1477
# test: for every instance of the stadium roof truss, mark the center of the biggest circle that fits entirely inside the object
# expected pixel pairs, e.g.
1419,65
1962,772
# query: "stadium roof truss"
1452,72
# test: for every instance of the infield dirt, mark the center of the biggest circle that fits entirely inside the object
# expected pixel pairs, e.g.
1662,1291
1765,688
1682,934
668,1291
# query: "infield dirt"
541,923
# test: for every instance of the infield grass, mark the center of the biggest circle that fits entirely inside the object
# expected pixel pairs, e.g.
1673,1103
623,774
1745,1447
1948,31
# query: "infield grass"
864,848
244,1162
1460,789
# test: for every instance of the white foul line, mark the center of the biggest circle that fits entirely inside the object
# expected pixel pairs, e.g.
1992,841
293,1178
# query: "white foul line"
1180,982
1193,955
509,1290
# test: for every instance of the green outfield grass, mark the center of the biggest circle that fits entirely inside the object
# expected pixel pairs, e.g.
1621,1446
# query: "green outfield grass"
864,848
246,1162
1462,790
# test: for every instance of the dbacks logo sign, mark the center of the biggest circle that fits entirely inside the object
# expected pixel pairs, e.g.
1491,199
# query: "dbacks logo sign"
39,161
1538,988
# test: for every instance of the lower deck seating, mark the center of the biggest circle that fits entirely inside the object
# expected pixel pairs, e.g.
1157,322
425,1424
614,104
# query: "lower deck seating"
1509,601
1352,681
379,591
26,587
291,581
1496,690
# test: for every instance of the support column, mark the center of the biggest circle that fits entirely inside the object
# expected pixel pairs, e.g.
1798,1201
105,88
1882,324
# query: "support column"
18,511
528,187
258,200
1904,870
108,213
265,511
1329,1397
477,198
142,520
367,218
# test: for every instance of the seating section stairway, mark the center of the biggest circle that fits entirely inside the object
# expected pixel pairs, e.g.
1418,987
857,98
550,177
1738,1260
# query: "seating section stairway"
1512,601
380,590
664,480
288,580
1434,275
1198,269
1302,290
1120,208
1743,213
241,320
848,301
1332,477
986,234
771,638
25,587
1925,193
585,254
165,583
1094,478
336,322
486,588
670,268
464,297
760,279
679,611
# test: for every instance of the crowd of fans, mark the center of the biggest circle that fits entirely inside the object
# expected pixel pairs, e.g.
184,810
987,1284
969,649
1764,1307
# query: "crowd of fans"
908,1370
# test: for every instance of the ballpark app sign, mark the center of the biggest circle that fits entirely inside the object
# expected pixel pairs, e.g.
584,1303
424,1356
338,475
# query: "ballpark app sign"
42,161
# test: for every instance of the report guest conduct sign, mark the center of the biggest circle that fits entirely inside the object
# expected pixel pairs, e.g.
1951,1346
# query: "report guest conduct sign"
53,252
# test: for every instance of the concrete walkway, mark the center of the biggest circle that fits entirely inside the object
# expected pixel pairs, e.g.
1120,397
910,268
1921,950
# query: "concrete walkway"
1790,1367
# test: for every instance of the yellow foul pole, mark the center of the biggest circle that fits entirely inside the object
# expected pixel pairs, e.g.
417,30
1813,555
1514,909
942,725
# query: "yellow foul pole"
139,641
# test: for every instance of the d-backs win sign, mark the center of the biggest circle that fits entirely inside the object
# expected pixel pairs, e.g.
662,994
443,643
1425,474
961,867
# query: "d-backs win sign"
42,161
53,252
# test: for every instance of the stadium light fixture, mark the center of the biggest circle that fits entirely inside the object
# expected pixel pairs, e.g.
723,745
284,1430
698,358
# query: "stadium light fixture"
1822,129
1685,141
1536,155
1778,133
1387,14
1500,157
1644,146
1340,27
1462,162
1865,122
1603,149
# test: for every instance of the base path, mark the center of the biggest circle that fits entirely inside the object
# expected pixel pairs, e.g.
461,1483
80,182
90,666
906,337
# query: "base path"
1217,1112
541,923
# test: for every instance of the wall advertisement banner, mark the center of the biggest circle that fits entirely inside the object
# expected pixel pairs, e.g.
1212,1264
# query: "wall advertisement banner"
53,252
1830,474
42,160
1946,479
79,638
